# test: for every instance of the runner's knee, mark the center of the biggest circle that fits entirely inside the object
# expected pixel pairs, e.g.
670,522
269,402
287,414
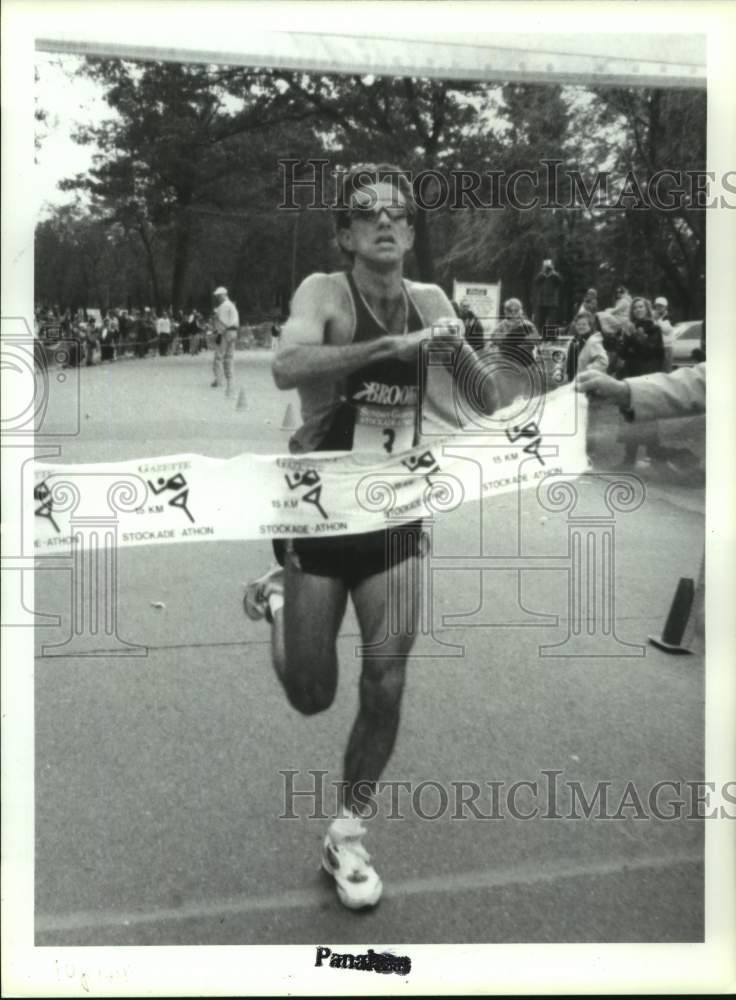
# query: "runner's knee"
386,641
381,686
310,691
310,698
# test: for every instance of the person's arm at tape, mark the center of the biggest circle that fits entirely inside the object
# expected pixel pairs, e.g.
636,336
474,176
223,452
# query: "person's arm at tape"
650,397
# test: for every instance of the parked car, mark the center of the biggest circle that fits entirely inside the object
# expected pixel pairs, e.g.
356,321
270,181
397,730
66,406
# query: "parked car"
686,338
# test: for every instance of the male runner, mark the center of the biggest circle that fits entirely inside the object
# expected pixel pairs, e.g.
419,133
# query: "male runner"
352,348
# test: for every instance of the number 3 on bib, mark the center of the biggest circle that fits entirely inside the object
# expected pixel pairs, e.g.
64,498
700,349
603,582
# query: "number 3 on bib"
385,430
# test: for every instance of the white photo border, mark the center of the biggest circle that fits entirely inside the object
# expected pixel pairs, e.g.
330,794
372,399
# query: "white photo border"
276,970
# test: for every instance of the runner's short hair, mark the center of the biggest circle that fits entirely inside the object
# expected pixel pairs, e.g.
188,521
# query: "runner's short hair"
364,175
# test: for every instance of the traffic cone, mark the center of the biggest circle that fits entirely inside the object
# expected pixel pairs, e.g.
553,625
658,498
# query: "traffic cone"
242,403
288,423
677,619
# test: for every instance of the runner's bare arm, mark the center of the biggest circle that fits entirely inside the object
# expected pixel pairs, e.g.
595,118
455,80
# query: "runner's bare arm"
303,354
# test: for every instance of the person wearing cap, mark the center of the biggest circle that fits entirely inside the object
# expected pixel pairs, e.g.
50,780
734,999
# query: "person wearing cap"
547,298
662,319
227,322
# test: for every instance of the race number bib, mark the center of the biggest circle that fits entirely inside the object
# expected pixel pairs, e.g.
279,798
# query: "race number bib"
383,429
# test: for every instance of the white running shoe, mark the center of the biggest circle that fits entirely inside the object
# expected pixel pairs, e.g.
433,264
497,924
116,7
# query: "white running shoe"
257,593
346,859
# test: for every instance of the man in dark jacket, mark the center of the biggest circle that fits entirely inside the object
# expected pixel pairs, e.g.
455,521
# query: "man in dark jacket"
547,298
473,326
187,330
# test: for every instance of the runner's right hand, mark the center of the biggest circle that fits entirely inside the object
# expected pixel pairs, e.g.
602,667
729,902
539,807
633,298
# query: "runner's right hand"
404,347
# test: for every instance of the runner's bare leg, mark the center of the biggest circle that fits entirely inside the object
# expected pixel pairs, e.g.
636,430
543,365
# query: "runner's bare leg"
304,636
305,657
387,605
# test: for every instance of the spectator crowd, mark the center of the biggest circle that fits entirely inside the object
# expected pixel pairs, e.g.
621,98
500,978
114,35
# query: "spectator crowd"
92,336
630,338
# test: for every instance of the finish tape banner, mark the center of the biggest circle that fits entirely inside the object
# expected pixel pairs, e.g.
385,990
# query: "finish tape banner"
186,498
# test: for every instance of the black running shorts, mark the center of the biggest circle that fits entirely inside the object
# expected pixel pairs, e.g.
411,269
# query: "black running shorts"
353,558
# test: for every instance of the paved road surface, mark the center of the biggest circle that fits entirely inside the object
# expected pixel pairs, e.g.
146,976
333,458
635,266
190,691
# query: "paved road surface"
158,784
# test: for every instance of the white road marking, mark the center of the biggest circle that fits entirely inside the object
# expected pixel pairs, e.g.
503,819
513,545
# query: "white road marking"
309,898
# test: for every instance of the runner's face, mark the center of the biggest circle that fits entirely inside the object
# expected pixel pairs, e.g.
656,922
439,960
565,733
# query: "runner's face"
512,311
380,229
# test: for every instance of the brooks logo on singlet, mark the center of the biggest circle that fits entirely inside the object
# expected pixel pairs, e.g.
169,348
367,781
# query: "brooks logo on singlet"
387,395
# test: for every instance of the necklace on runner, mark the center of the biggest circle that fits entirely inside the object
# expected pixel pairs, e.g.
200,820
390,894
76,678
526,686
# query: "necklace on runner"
399,310
386,317
388,320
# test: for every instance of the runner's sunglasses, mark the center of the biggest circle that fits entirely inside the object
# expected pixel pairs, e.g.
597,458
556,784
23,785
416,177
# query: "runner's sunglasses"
369,213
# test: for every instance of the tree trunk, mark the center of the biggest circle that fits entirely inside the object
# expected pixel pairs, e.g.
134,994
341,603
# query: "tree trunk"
152,272
182,257
294,248
696,304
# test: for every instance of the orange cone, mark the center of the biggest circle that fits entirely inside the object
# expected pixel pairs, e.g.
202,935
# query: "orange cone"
677,619
242,403
288,423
